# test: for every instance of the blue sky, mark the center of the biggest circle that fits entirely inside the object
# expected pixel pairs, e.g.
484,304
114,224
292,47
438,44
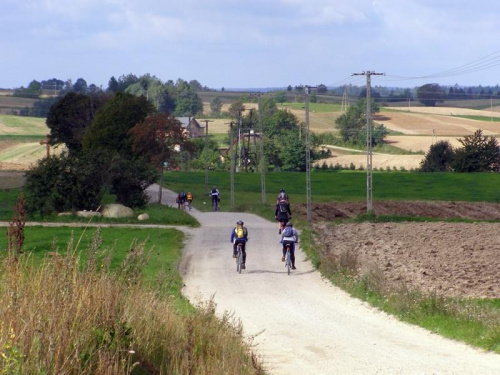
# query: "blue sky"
250,43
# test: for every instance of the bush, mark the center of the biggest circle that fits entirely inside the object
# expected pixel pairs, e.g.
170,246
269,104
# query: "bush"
61,183
478,154
439,158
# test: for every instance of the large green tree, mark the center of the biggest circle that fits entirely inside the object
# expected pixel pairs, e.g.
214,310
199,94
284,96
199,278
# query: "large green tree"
352,124
110,128
216,106
188,103
70,117
430,94
479,153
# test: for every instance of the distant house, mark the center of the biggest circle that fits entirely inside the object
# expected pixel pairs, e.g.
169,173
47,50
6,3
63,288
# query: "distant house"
193,127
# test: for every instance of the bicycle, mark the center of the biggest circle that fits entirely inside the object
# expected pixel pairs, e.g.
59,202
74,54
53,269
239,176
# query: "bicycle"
239,257
288,258
189,204
186,206
215,204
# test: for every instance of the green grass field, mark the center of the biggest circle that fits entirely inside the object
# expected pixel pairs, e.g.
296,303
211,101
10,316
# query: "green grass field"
315,107
167,244
479,118
332,186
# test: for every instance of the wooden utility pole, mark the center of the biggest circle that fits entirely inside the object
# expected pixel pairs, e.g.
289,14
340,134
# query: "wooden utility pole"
162,166
369,151
308,154
240,125
232,155
262,156
206,154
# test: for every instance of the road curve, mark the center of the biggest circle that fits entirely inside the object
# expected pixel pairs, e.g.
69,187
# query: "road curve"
301,323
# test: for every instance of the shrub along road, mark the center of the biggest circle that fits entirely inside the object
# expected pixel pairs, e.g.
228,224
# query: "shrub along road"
301,324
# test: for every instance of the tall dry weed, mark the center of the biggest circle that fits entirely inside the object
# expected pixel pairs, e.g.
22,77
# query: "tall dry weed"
62,317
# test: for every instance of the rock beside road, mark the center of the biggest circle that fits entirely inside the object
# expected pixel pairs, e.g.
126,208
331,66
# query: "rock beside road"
117,211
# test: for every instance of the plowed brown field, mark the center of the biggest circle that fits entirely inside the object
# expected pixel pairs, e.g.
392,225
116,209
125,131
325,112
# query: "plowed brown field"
451,259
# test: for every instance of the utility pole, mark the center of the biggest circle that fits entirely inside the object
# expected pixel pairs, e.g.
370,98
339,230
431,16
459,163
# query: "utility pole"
262,156
240,125
232,155
162,140
345,100
369,151
206,154
308,154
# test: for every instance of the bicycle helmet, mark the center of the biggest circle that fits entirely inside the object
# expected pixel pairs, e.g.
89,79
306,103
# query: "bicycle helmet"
289,224
282,190
239,222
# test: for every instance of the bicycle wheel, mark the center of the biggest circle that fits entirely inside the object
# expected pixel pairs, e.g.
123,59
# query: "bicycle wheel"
239,261
288,262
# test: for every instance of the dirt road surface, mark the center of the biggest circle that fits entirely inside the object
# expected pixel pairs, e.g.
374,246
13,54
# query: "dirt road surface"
301,324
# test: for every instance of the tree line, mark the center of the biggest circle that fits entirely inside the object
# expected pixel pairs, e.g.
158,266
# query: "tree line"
118,142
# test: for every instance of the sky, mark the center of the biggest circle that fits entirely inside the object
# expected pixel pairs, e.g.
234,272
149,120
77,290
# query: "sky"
252,43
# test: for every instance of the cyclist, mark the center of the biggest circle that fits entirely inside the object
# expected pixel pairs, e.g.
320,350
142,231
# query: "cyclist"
215,195
289,236
239,234
282,213
282,196
182,198
189,198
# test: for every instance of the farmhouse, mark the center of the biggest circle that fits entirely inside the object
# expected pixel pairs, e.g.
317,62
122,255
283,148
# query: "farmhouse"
193,127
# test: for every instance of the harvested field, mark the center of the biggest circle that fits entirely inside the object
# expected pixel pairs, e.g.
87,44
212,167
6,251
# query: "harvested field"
418,143
424,124
450,259
378,161
451,111
18,125
19,156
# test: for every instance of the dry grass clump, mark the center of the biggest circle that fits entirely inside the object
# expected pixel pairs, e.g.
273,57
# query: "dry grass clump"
63,317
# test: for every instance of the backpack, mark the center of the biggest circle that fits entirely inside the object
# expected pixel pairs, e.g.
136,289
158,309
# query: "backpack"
239,231
189,195
283,206
288,232
182,195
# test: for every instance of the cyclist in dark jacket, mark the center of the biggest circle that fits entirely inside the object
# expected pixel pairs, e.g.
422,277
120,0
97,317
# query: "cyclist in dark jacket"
282,214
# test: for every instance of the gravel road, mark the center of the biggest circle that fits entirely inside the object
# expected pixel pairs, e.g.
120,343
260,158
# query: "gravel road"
301,323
